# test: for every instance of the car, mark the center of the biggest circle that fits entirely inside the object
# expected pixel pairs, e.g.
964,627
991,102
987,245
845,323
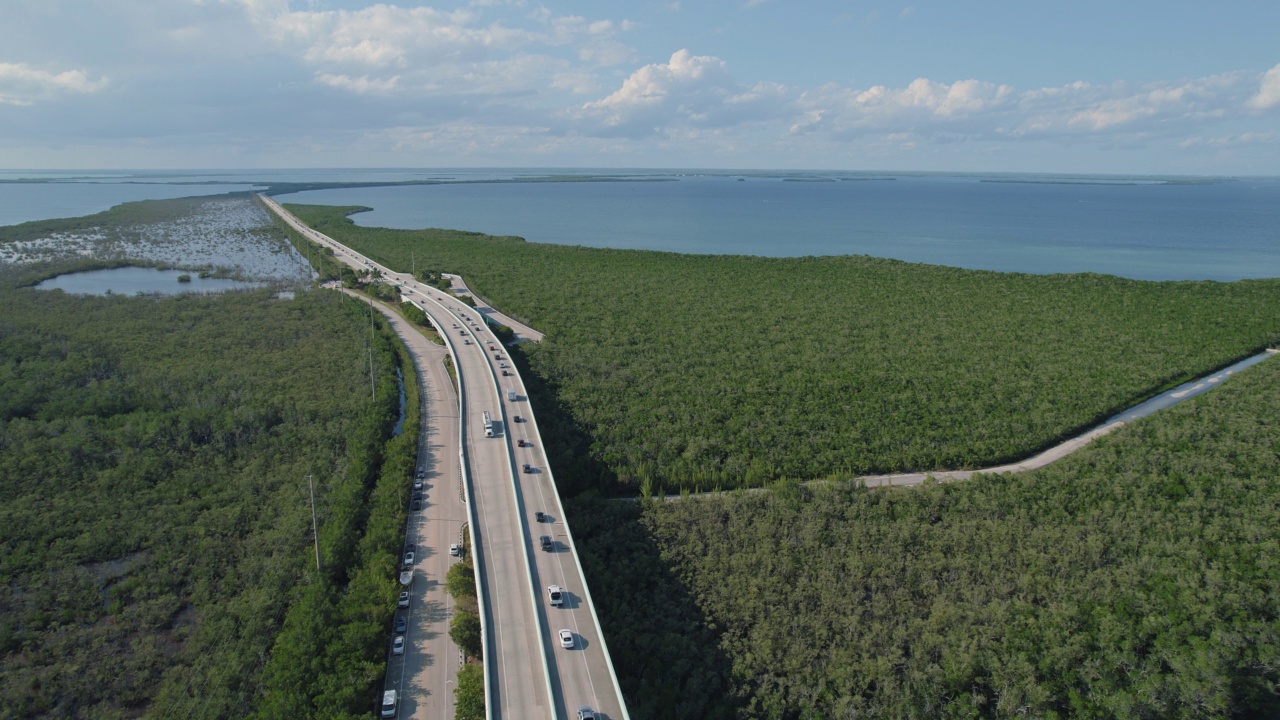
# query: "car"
408,559
422,474
404,599
416,505
502,365
417,484
455,550
517,418
555,595
401,624
410,547
528,469
545,542
417,496
540,516
566,640
455,324
492,347
584,713
505,373
388,704
397,645
521,443
497,356
466,342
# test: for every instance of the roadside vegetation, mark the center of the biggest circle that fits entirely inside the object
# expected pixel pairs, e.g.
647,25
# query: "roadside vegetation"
1135,578
156,551
464,630
663,372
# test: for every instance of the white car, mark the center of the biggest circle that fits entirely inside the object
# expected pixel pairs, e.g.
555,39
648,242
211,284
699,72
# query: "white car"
584,713
408,559
397,647
455,550
555,595
404,599
566,639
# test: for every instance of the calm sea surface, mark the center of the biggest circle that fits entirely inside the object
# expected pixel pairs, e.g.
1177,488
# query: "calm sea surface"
1136,228
1220,231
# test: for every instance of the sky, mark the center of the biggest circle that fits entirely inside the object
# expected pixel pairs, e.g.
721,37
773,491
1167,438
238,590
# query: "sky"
1173,87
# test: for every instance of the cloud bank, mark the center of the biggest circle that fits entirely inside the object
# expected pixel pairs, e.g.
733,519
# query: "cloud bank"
510,82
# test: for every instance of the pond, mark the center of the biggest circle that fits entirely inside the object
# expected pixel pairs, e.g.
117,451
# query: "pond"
136,280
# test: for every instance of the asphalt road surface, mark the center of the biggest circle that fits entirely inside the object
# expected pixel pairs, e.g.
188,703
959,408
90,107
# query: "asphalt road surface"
424,677
528,673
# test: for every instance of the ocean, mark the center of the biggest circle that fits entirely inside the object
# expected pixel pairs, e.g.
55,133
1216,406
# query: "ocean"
1142,228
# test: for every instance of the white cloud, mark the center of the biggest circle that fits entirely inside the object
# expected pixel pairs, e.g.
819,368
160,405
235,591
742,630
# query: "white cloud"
921,104
362,85
1269,92
1245,138
21,84
980,109
687,90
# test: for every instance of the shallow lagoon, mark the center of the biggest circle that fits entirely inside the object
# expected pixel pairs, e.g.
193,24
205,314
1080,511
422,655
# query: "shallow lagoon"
139,280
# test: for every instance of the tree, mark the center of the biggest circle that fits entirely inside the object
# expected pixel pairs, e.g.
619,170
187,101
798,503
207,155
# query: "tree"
465,631
460,582
469,693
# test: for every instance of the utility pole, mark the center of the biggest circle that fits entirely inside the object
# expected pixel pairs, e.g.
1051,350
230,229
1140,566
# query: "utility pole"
315,529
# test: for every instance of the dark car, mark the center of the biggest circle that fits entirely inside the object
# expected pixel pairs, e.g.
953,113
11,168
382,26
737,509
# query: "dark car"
528,468
521,443
517,418
540,516
505,373
416,505
545,542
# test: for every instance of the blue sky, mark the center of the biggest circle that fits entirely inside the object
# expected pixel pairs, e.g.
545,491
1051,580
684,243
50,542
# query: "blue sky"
1127,86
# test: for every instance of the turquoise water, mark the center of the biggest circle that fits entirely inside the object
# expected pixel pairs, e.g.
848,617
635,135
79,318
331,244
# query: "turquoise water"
1214,231
134,280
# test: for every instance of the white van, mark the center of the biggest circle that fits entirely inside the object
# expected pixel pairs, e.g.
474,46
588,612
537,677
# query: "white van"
511,394
389,704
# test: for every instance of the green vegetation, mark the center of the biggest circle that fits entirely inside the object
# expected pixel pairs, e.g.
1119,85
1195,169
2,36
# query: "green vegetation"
184,278
469,694
464,628
414,314
670,371
1135,578
383,291
330,656
155,534
435,279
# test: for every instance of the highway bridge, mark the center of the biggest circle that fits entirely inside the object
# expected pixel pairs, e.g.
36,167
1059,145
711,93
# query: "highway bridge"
512,504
